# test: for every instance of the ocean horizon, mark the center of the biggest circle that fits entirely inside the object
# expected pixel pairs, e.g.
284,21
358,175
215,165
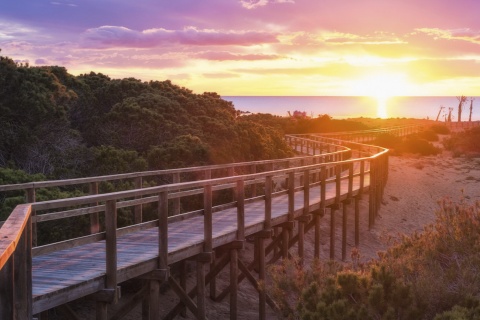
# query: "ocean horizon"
343,107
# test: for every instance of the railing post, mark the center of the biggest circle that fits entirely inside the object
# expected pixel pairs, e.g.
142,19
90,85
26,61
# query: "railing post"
268,202
94,217
371,191
291,195
254,185
31,198
350,179
338,181
138,211
163,231
7,290
111,243
240,210
176,201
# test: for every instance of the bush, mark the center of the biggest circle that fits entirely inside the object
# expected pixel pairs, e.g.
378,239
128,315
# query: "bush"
440,129
414,144
432,275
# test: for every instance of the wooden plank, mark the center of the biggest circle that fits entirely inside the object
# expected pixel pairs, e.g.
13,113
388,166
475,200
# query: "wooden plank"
223,231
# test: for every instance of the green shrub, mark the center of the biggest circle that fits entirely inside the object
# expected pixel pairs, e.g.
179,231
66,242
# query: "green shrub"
440,129
432,275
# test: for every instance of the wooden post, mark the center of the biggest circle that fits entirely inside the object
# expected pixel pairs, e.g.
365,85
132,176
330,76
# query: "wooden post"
31,195
301,233
94,218
357,221
372,200
231,173
138,209
254,185
201,291
362,176
261,276
233,284
176,201
240,210
323,173
268,203
344,232
110,257
207,224
350,179
7,290
111,244
306,192
332,233
285,244
291,195
163,231
338,181
183,284
154,300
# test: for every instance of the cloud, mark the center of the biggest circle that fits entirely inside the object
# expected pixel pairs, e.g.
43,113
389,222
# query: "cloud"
253,4
227,56
464,34
115,36
56,3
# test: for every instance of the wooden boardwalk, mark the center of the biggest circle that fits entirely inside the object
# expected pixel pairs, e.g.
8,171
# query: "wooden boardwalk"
295,194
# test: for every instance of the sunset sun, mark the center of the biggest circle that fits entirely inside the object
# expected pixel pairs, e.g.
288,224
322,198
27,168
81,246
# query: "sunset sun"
382,87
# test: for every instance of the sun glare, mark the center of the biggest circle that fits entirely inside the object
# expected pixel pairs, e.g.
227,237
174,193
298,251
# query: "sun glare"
382,87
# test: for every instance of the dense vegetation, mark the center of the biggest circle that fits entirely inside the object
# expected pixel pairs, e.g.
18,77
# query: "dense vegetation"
464,143
54,125
432,275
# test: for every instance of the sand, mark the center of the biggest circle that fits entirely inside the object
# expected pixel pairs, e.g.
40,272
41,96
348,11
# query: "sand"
411,196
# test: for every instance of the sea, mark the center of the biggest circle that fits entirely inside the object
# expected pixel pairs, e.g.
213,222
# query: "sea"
344,107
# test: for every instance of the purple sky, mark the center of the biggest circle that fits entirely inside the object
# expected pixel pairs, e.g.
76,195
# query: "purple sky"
266,47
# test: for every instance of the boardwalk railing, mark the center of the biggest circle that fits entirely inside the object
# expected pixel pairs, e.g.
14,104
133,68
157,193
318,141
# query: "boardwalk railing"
346,168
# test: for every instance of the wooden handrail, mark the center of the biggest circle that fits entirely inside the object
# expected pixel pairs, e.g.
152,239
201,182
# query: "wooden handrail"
16,233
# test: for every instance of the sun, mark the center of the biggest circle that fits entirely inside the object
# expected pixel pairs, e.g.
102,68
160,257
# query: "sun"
382,86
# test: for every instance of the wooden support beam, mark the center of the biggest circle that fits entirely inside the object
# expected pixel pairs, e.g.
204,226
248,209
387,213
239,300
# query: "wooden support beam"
301,233
68,313
261,279
101,311
357,221
184,297
154,300
213,282
233,284
317,237
332,233
201,307
129,304
222,262
344,232
254,283
285,245
183,284
111,244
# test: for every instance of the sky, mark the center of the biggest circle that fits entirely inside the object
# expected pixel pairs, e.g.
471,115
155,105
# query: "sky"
257,47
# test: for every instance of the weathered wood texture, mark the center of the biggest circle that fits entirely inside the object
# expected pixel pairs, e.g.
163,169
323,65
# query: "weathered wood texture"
61,272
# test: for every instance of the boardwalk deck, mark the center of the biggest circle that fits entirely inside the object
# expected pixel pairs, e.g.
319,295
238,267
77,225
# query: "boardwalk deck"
334,172
55,274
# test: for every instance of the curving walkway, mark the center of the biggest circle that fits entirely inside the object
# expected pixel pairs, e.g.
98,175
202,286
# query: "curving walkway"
274,202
